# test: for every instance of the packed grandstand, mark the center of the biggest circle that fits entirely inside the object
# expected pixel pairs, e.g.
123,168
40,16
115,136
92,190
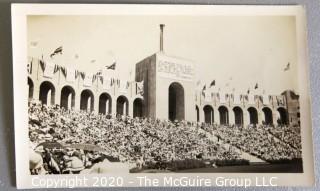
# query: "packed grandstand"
69,141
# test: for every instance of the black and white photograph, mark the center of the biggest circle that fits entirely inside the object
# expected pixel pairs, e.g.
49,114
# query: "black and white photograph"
164,93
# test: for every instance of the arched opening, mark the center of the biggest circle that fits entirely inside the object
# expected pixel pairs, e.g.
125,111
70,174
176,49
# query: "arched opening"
197,111
47,93
224,115
208,114
138,107
253,115
267,116
105,103
238,116
283,116
122,105
87,100
67,100
176,102
30,87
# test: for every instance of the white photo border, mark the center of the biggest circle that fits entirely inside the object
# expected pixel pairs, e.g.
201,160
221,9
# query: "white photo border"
20,12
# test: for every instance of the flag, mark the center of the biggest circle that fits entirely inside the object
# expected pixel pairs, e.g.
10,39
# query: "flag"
63,70
43,65
213,83
71,74
56,51
88,79
107,83
256,86
29,67
49,70
139,88
112,66
287,67
99,73
56,68
204,88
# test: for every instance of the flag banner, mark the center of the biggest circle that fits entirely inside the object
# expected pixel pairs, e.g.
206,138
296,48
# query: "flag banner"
266,99
42,65
236,99
213,83
94,77
251,99
63,70
56,68
207,96
56,51
123,86
112,66
280,100
29,67
49,70
139,88
71,77
101,79
222,98
107,83
87,80
287,67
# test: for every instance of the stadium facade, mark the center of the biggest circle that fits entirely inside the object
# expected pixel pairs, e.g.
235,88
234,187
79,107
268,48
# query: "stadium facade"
169,92
164,88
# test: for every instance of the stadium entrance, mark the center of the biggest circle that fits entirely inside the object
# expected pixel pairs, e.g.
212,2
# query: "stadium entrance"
176,102
168,85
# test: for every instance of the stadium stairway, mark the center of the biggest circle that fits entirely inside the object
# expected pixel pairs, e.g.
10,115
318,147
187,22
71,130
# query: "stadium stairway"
252,159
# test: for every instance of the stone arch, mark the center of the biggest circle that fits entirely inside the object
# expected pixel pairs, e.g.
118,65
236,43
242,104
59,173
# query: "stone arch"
176,102
47,93
283,116
30,88
208,114
268,117
138,107
253,115
105,103
238,116
67,99
224,115
87,100
122,105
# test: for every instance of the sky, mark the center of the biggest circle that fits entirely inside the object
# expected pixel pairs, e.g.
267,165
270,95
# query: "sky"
236,52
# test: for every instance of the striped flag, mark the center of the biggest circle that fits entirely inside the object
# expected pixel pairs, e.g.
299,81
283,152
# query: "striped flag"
56,51
112,66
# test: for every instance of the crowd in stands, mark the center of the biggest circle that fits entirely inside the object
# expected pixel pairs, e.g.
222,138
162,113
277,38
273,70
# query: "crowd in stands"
287,134
266,142
68,141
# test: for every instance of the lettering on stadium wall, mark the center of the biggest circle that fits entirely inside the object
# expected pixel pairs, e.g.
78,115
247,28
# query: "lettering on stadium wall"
179,71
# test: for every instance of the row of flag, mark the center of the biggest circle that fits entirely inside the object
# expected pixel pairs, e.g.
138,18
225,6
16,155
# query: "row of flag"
223,98
256,86
71,74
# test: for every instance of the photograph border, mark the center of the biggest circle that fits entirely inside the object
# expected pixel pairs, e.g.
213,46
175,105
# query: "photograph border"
19,37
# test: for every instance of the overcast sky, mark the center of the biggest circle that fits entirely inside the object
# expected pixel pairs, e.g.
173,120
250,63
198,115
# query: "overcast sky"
240,51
